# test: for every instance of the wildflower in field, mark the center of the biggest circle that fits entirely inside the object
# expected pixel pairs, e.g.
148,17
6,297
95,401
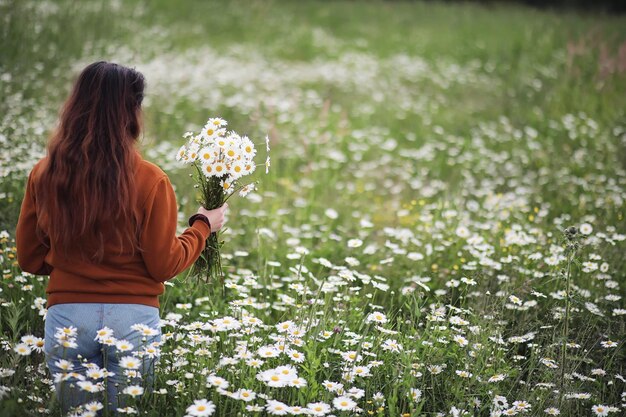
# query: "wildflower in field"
285,326
549,362
93,406
435,369
22,349
344,403
318,408
391,345
133,390
586,229
70,331
144,330
332,386
515,300
103,333
463,374
245,395
123,345
462,232
361,371
522,405
608,344
351,356
217,381
496,378
95,372
254,408
276,408
414,394
500,402
201,408
108,341
331,213
376,317
275,378
297,382
578,395
600,410
295,356
90,386
37,344
460,340
254,363
129,362
64,364
268,352
355,243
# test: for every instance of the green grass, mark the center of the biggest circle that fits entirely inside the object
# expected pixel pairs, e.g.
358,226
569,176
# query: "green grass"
417,119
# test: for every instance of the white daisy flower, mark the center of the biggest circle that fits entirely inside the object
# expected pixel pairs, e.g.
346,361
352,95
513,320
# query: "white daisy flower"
217,122
22,349
247,147
344,403
124,345
217,381
182,151
376,317
237,169
129,362
201,408
133,390
318,408
276,408
586,229
245,395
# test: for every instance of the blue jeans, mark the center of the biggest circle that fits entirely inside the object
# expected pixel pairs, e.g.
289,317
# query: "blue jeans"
88,318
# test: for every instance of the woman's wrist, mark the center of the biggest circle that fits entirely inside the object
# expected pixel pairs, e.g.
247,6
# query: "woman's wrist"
199,216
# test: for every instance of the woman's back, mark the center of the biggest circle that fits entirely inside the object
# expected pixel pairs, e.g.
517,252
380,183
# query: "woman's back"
124,275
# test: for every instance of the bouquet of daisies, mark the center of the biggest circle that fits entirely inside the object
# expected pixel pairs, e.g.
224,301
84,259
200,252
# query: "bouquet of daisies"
221,158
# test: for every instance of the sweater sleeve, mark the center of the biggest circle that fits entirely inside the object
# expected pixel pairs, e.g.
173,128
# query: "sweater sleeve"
32,247
165,254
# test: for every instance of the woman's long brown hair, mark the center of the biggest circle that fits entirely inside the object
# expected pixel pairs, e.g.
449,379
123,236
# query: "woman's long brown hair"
86,187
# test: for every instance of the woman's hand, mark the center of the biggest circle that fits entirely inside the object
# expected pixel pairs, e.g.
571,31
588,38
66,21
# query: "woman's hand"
215,216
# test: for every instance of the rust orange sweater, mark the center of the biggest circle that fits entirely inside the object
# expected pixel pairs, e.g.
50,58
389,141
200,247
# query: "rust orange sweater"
120,278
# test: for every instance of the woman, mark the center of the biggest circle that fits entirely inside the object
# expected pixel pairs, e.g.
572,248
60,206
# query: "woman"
101,221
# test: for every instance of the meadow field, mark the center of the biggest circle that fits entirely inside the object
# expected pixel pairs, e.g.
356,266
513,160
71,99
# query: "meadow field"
441,231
